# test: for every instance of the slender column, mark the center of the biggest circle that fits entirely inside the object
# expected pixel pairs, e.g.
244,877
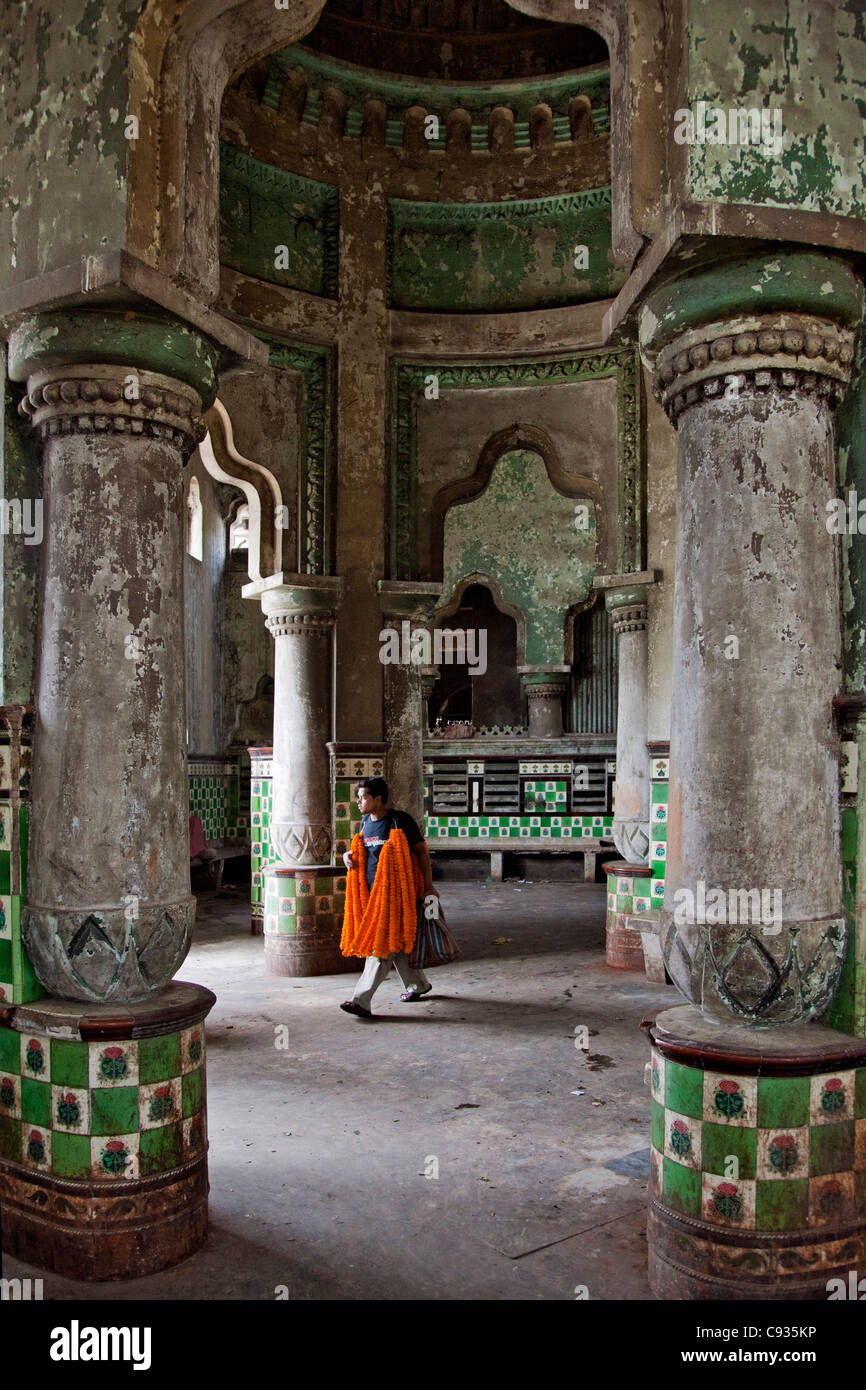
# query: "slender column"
625,598
109,911
757,636
411,603
300,615
544,691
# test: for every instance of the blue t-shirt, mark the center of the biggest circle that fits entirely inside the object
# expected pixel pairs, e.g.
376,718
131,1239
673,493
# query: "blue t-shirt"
376,832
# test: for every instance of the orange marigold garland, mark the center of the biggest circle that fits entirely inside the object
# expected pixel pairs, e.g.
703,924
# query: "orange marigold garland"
383,921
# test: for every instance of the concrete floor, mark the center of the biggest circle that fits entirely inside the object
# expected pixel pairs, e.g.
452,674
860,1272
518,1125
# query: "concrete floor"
318,1152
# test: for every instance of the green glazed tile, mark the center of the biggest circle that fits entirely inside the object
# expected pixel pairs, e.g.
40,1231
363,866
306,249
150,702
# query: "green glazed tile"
325,886
10,1051
114,1110
783,1102
192,1091
158,1058
6,970
70,1155
658,1126
719,1142
660,793
36,1102
10,1139
860,1094
780,1204
681,1188
849,834
831,1148
5,880
287,926
684,1090
305,905
160,1149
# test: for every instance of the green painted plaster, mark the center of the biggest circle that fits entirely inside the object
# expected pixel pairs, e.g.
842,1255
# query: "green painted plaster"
138,340
472,258
803,282
811,66
439,98
522,533
316,472
63,100
263,209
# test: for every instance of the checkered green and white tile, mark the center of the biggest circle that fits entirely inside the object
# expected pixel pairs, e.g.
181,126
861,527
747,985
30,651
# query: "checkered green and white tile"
518,827
102,1110
18,982
759,1153
658,850
550,795
291,900
215,797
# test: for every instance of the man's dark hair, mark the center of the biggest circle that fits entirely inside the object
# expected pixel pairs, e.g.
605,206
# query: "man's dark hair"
376,786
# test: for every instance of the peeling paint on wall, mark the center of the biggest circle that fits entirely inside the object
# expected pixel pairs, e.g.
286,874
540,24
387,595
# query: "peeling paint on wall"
533,541
804,59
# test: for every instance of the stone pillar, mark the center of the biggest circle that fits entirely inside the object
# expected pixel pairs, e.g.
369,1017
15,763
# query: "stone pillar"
103,1094
626,601
544,691
749,360
300,615
411,604
757,643
109,911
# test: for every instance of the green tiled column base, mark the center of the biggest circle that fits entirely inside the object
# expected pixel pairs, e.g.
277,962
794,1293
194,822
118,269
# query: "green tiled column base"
628,893
88,1120
303,921
758,1178
261,851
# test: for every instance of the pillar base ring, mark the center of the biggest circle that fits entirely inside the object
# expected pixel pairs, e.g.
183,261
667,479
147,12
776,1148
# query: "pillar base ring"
106,954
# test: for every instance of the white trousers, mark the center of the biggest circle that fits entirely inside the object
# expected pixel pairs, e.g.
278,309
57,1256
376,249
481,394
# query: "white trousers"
375,971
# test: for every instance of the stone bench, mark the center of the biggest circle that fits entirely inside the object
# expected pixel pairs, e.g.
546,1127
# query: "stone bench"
497,849
219,852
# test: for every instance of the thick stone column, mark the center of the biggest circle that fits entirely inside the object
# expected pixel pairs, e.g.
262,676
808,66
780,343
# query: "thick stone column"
412,603
750,359
626,600
757,644
109,911
545,691
300,615
103,1132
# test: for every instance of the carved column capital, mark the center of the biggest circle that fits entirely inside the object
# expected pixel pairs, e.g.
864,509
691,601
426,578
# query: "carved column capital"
629,618
781,322
105,399
300,624
762,352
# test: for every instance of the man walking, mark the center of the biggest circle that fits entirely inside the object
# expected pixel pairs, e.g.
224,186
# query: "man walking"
389,870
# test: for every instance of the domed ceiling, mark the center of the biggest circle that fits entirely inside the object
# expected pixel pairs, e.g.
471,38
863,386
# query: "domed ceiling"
451,40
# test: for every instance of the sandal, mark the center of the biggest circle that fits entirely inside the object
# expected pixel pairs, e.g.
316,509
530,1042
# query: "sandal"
409,994
358,1009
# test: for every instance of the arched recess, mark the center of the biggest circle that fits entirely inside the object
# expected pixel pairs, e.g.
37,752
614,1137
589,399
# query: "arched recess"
509,609
635,34
516,436
182,56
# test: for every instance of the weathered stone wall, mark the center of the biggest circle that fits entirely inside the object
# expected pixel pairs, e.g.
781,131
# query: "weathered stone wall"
661,456
63,102
20,481
203,619
804,58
